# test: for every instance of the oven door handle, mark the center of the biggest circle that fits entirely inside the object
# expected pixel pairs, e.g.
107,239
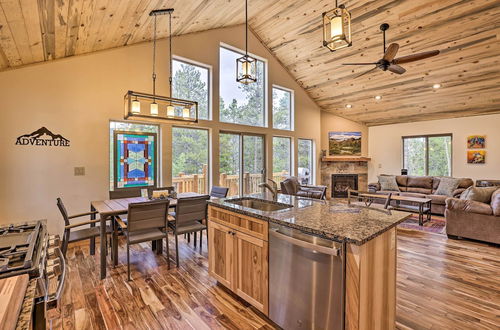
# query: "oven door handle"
306,245
54,299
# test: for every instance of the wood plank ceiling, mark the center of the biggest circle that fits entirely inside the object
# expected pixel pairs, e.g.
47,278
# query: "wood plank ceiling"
467,32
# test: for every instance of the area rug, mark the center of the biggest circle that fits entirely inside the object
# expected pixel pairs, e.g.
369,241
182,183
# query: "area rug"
436,225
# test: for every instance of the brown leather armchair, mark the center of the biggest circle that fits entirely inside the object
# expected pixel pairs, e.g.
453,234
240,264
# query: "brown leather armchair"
472,219
292,186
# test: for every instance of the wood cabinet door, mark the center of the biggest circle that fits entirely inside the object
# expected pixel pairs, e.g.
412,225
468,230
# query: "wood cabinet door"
221,253
251,281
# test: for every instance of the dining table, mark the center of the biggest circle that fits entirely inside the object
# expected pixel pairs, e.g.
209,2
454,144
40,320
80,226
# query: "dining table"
110,208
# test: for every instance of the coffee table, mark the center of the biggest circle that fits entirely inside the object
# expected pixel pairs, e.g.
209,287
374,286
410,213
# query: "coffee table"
422,205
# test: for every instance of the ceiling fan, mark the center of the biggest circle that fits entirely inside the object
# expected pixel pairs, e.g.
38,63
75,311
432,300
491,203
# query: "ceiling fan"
389,62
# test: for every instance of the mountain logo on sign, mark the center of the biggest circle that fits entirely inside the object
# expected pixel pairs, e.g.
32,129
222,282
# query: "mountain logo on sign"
43,137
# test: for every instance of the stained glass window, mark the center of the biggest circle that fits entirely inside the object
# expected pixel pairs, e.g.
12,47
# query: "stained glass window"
135,156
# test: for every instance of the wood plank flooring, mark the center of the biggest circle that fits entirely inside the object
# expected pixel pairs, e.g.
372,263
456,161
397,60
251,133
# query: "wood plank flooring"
441,284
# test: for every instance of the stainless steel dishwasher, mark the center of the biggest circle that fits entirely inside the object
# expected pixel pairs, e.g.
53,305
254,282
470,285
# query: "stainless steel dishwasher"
306,280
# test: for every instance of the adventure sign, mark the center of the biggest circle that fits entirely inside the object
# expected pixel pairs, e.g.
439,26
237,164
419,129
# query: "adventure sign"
43,137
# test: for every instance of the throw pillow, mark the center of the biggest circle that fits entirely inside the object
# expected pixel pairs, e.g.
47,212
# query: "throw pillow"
447,186
478,194
388,182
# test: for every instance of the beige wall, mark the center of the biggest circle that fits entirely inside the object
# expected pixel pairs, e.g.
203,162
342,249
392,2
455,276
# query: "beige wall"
76,97
385,145
330,123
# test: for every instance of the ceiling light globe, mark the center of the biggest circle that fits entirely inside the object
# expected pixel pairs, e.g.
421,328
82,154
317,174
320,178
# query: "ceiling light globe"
348,106
436,86
378,97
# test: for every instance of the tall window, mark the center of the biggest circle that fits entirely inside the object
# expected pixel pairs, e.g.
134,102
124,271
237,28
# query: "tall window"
240,103
133,162
229,162
282,158
190,159
427,155
306,161
192,82
282,108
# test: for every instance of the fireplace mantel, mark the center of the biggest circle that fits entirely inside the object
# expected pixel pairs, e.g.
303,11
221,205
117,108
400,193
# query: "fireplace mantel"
345,159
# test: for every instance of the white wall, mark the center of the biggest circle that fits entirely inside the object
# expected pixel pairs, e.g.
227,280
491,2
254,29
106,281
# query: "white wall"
385,145
76,97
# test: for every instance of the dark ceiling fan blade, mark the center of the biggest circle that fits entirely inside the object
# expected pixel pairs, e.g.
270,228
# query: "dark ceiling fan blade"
390,52
366,72
396,69
359,63
415,57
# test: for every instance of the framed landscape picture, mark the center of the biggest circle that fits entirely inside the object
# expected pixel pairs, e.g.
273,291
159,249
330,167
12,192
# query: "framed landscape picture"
476,142
344,143
476,156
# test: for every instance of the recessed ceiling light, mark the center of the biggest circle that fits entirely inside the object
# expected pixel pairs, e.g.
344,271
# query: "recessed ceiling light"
378,97
348,106
436,86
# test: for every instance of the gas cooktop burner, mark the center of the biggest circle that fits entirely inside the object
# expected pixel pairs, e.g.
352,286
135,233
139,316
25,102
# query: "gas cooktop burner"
19,246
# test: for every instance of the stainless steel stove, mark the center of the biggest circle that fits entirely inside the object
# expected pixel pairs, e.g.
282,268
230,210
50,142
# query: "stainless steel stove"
26,248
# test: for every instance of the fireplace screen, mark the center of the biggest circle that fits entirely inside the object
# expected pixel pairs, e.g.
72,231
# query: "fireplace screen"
342,182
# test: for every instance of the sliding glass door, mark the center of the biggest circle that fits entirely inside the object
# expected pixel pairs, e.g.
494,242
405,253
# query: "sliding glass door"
242,162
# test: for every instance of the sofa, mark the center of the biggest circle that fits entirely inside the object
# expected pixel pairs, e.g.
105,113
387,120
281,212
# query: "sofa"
473,219
292,186
421,186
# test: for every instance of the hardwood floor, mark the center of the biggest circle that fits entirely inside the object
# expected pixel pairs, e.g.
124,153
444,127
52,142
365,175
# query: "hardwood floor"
441,284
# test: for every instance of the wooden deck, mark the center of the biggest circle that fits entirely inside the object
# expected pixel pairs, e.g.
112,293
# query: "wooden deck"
442,284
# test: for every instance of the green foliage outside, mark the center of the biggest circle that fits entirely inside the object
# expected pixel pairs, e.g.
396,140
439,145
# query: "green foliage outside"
252,112
190,82
281,109
281,154
189,150
439,156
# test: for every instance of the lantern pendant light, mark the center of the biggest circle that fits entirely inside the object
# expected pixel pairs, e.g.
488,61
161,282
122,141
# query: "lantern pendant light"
157,103
337,28
246,66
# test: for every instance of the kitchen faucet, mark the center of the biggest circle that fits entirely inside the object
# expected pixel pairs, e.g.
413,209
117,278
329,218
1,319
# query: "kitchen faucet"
273,188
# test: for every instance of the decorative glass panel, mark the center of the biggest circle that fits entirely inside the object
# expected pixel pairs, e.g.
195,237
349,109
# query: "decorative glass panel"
135,159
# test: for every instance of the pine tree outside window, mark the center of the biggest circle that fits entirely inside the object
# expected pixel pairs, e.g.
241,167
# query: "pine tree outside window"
191,81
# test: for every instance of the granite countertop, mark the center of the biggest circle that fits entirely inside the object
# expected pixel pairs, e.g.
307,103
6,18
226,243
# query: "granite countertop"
24,319
328,219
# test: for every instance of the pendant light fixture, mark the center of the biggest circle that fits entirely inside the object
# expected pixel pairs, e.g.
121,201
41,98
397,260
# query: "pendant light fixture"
161,107
337,28
246,66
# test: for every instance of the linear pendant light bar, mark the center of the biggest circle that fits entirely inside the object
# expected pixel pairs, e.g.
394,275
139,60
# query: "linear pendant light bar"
160,107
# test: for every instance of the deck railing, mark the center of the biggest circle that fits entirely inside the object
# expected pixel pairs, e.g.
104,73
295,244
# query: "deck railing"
199,182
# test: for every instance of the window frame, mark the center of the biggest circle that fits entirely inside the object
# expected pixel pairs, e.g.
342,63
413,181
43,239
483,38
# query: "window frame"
426,137
292,107
265,85
209,151
312,175
210,80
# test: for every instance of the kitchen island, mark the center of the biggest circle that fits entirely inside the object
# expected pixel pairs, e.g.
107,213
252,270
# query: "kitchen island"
241,231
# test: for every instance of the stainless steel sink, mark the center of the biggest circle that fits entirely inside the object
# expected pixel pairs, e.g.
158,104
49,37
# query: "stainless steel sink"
260,204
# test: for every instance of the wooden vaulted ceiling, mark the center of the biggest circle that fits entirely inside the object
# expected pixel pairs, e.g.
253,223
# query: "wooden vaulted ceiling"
467,32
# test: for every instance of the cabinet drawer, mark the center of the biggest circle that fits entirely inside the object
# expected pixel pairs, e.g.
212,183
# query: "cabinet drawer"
248,225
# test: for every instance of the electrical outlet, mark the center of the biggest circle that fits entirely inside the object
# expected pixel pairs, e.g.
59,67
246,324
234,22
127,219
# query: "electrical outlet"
79,171
379,165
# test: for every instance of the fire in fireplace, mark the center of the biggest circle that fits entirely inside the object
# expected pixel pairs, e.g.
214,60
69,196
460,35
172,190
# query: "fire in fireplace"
342,182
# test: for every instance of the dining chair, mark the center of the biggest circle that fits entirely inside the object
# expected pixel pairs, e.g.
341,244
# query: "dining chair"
124,193
219,192
146,221
189,213
70,235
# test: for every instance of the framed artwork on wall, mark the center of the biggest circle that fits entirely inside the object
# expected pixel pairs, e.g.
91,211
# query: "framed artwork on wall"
476,156
135,157
476,142
344,143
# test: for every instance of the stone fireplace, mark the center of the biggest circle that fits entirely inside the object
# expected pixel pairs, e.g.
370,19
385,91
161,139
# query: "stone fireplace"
355,168
341,183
